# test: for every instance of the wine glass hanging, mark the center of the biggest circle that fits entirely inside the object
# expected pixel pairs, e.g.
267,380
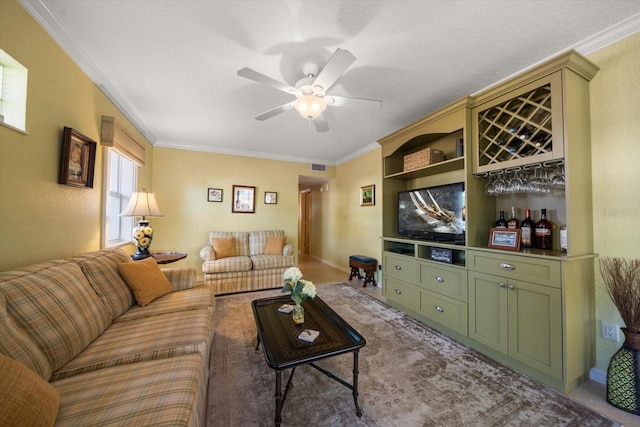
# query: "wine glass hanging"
538,178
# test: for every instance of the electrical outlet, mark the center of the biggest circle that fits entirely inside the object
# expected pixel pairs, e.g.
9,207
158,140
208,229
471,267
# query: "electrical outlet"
610,331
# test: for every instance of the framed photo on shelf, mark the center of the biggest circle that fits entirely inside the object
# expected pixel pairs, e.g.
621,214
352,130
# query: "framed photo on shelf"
78,159
504,238
244,200
368,195
270,198
214,195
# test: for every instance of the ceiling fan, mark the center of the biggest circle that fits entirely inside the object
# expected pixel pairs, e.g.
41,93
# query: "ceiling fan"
311,91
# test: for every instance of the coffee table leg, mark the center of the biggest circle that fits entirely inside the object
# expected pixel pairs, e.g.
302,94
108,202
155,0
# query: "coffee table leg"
278,397
355,383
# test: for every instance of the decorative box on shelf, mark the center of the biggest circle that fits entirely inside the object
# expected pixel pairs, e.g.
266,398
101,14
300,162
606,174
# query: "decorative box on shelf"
422,158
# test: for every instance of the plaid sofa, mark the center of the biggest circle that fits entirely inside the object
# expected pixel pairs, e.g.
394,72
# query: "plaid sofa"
250,269
76,324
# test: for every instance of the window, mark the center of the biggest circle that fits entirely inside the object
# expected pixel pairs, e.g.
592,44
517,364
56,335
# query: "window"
13,92
121,174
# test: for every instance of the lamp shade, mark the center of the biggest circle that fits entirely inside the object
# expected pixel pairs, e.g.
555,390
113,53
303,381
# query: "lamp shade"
310,106
142,204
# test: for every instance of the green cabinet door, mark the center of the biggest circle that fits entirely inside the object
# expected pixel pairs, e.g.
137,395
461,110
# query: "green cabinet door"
535,326
488,310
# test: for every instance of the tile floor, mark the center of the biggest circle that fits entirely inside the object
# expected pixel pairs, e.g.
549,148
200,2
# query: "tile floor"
591,394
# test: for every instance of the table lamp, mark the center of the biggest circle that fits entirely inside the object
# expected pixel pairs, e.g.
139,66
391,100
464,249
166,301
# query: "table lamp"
142,204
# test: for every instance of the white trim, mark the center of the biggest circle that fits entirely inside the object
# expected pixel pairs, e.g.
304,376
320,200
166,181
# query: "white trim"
598,376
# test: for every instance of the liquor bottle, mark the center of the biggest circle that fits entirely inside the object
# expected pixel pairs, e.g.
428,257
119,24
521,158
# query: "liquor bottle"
527,229
513,221
501,223
543,231
563,238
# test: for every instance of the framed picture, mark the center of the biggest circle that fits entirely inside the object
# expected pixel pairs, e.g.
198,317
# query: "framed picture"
244,200
270,197
78,159
368,195
504,238
214,195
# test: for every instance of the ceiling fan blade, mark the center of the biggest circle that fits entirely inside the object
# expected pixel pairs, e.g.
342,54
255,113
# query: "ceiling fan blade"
321,124
339,101
337,65
275,111
250,74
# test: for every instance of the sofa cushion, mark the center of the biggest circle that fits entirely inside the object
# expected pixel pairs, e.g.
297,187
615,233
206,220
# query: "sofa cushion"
17,345
224,247
241,240
274,245
148,338
154,393
236,263
27,399
145,279
57,308
101,269
258,240
263,262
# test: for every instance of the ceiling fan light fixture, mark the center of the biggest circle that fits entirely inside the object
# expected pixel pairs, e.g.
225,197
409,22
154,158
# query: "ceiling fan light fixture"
309,106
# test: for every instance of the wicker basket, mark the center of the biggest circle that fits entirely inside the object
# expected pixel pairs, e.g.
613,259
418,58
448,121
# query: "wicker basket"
422,158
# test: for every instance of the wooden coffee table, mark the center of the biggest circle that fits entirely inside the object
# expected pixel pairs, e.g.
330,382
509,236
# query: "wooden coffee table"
283,350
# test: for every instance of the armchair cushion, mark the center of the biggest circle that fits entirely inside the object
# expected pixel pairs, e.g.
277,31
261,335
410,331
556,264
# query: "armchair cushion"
146,280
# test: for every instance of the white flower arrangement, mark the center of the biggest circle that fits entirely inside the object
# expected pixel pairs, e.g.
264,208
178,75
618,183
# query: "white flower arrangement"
300,289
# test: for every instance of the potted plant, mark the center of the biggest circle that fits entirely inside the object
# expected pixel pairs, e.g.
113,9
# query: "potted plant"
622,282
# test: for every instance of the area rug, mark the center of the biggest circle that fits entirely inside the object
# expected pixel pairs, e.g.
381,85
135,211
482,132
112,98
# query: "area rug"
410,375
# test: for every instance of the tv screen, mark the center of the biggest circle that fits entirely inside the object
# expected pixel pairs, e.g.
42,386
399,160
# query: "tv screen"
433,213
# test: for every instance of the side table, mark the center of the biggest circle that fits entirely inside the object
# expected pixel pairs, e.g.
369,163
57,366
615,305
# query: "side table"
168,257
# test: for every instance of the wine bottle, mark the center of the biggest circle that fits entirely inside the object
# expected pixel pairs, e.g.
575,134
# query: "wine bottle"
543,231
501,223
527,230
563,238
513,221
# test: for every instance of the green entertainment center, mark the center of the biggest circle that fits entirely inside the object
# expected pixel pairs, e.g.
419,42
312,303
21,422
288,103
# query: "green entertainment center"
529,309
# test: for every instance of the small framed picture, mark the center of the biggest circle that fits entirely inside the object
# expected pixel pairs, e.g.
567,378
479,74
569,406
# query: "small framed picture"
214,195
270,197
244,200
368,195
78,159
504,238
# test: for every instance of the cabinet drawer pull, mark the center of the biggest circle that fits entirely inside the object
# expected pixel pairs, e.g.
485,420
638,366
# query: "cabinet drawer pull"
438,308
501,284
438,279
506,266
511,287
397,291
398,267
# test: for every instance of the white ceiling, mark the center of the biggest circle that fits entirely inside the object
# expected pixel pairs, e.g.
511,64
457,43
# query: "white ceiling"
171,65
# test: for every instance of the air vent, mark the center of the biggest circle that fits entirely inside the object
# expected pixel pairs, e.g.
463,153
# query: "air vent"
318,168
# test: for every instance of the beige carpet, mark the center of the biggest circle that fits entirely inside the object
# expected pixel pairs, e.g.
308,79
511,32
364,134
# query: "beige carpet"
410,375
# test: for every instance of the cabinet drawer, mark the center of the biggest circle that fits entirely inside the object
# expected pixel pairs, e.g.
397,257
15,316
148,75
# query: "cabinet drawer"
537,270
400,267
445,311
444,280
399,292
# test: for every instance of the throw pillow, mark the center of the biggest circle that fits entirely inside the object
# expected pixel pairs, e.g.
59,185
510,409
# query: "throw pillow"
274,245
146,280
224,247
27,399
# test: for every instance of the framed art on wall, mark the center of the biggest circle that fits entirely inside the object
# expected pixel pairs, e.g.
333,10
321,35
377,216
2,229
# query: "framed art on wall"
214,195
368,195
244,200
78,159
270,197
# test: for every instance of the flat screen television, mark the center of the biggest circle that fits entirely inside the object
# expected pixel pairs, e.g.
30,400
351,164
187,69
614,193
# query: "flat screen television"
433,213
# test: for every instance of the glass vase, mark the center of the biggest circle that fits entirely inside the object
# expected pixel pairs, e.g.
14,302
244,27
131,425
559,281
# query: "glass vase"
298,314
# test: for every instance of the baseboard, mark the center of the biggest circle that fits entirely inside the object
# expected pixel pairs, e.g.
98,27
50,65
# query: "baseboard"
598,376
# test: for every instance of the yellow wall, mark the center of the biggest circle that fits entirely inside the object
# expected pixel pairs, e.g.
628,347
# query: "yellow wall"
615,147
39,218
181,179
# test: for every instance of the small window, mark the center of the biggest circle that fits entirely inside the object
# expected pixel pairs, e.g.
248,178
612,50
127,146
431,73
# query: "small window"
121,174
13,92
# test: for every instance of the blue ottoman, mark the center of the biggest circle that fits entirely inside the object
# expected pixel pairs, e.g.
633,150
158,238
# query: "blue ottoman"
368,264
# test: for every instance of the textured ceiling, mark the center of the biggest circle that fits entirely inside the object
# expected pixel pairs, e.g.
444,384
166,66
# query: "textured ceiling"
171,65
